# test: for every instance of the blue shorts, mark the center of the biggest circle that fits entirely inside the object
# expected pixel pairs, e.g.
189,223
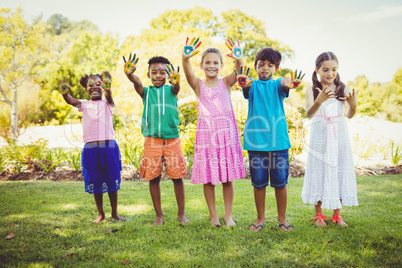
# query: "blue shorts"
101,167
273,166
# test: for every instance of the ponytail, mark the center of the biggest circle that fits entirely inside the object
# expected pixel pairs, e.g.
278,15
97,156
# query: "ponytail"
316,84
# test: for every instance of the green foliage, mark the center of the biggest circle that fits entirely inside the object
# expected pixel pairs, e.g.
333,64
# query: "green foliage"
24,156
188,113
396,154
3,160
187,137
378,99
50,159
73,159
130,140
296,131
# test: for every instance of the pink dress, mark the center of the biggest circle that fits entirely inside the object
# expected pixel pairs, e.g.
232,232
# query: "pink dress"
218,155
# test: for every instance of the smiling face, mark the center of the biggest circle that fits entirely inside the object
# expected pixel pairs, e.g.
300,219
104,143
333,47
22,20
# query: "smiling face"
327,72
157,74
265,69
211,64
94,88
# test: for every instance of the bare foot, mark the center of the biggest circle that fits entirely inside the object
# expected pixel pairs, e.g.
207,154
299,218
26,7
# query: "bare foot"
117,217
158,221
215,221
183,219
100,218
230,222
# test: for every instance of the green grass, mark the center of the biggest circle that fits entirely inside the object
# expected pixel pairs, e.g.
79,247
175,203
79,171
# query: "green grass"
55,229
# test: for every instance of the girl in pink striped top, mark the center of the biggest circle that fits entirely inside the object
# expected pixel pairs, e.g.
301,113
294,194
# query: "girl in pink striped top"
101,164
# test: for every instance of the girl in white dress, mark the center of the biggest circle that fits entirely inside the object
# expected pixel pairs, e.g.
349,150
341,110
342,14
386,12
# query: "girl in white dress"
330,179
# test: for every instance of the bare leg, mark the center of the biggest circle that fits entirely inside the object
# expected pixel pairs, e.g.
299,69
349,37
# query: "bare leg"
209,193
259,198
281,195
155,190
228,193
180,199
113,204
99,206
318,209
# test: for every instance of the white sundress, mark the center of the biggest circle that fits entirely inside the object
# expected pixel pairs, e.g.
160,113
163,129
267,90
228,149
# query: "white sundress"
330,173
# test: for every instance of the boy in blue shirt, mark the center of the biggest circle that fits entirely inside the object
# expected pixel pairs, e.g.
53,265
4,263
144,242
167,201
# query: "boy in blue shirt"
266,133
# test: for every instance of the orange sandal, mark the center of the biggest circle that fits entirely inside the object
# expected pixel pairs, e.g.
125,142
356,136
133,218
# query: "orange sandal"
321,217
338,220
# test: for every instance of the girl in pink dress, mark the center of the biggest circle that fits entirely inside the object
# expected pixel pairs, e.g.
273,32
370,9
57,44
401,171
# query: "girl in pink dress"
218,156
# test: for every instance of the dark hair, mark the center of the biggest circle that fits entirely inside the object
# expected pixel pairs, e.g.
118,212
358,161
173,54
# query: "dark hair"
211,50
157,59
339,86
270,54
84,79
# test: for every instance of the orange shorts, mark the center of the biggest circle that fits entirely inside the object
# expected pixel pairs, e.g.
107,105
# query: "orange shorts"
159,152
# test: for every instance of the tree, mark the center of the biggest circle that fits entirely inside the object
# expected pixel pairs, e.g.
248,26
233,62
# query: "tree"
24,48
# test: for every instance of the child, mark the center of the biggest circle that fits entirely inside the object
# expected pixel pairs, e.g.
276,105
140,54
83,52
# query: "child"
101,164
218,155
160,120
330,179
266,133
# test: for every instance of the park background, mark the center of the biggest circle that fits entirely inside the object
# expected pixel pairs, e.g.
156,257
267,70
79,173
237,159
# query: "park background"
43,42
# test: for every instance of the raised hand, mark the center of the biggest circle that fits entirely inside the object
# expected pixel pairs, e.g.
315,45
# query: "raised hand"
242,78
296,79
234,48
325,94
129,66
190,48
351,98
174,78
107,80
64,88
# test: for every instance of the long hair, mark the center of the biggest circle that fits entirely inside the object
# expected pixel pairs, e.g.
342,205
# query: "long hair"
339,86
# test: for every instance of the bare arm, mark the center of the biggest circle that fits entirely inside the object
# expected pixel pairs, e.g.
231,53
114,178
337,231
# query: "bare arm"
70,100
65,90
137,84
193,81
312,105
350,101
107,86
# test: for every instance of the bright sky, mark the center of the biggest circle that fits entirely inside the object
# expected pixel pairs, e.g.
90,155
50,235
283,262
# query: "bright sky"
366,35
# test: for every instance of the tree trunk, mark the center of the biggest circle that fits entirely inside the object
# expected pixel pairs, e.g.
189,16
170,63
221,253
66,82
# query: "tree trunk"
14,117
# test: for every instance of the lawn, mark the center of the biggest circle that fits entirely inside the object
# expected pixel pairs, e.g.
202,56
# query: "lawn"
52,227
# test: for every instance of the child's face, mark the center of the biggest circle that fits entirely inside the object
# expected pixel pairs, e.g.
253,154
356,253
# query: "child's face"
265,69
211,64
157,74
327,71
94,88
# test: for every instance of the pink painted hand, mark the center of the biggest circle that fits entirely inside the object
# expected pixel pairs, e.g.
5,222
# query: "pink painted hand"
107,80
234,48
242,78
296,79
64,87
129,66
174,78
190,48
